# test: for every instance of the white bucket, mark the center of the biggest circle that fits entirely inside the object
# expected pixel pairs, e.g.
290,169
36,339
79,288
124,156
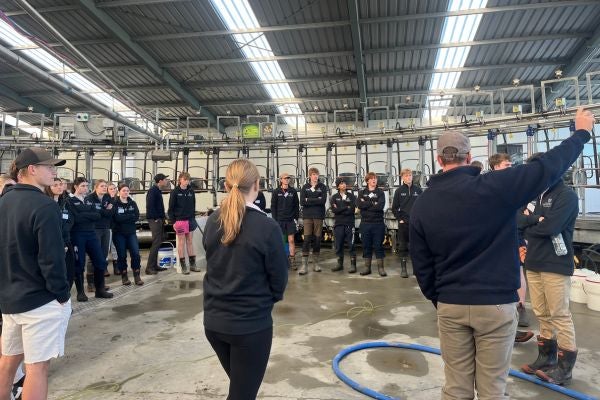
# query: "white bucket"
591,286
166,255
578,295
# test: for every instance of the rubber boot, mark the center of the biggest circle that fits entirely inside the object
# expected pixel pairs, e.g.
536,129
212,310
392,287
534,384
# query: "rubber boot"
292,262
185,269
403,271
136,278
523,319
116,271
380,267
339,266
316,267
193,265
352,269
80,290
90,282
560,374
99,283
125,279
547,356
304,267
367,270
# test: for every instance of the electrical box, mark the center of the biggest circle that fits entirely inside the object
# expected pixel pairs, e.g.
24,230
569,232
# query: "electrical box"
108,123
82,117
67,130
162,155
517,109
121,131
560,102
479,114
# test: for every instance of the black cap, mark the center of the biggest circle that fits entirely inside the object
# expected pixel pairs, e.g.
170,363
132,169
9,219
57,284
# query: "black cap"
36,156
160,177
338,181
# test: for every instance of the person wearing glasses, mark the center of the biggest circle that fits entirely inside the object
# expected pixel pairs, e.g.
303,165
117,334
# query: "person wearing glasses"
285,209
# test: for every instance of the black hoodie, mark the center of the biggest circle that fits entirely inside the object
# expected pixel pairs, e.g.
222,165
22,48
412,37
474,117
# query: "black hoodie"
125,216
182,204
313,200
32,255
343,208
105,215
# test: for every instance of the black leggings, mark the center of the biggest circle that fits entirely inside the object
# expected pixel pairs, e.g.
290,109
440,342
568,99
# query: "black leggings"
244,358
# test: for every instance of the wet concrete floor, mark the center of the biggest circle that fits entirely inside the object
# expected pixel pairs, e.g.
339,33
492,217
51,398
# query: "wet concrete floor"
148,342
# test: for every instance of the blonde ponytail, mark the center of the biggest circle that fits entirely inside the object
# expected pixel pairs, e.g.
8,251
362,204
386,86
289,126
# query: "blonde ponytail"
241,175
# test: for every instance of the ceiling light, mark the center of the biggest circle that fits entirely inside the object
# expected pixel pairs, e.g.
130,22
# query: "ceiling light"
516,82
477,88
316,108
376,102
408,99
30,108
345,106
67,110
558,73
228,112
257,111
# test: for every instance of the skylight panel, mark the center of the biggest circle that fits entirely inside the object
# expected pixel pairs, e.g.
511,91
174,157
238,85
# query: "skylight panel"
456,29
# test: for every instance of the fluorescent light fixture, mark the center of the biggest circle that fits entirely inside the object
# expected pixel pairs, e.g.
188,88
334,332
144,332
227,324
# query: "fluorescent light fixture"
238,15
456,29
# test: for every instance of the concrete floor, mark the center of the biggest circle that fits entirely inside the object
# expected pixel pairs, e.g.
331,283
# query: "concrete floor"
148,342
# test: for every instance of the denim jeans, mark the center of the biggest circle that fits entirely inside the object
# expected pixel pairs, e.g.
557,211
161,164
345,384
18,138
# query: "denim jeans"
124,242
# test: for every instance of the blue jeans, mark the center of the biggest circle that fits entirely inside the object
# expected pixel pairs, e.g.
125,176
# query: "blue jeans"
124,242
87,242
372,236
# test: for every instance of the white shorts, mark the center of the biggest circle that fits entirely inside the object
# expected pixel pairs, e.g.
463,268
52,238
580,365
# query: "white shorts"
39,334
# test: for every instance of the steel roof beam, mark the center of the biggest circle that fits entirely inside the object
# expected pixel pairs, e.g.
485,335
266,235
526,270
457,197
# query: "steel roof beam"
359,58
17,98
219,61
103,18
577,65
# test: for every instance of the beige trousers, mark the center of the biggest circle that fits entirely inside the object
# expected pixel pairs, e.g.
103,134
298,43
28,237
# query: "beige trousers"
549,294
476,344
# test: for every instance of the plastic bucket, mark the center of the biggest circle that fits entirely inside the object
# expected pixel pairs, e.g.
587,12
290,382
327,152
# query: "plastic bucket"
166,255
591,286
578,295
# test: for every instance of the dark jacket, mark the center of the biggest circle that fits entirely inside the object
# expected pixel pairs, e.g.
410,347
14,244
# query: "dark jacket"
246,278
155,206
313,200
32,255
182,204
67,220
284,204
105,215
260,201
463,233
125,216
371,205
343,209
404,198
559,206
84,213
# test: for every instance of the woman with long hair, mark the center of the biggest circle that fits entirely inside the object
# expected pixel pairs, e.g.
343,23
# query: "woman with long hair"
113,192
182,214
124,235
57,192
83,236
246,275
103,204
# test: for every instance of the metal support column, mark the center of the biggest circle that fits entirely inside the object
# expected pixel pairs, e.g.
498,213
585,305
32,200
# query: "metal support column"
579,177
358,162
422,141
300,170
389,167
124,165
328,164
215,173
531,142
492,141
186,159
272,178
89,165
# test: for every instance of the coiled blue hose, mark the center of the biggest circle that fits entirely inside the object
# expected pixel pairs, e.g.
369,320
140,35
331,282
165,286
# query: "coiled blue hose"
376,395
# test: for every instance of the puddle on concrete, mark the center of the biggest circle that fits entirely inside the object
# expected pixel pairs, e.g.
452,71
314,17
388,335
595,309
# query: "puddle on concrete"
289,369
398,361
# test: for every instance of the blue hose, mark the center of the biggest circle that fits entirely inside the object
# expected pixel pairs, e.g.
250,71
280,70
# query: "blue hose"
376,395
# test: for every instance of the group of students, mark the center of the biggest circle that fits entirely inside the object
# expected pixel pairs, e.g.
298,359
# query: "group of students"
370,201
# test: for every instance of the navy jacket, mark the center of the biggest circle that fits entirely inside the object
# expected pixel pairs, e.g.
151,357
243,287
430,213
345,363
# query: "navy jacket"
343,209
284,204
371,205
313,200
85,214
404,198
105,215
182,204
32,252
67,219
125,216
559,206
463,233
245,278
260,201
155,206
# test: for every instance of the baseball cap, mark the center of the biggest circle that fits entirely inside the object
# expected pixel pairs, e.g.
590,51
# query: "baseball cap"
36,156
284,175
160,177
454,139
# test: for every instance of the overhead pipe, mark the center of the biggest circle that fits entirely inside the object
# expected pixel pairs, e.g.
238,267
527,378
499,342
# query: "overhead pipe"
33,13
19,63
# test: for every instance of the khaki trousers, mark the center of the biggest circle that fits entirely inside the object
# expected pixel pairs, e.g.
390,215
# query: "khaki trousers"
549,294
476,344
